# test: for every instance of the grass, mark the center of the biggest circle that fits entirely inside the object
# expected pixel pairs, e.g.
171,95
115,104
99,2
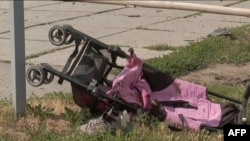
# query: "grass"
55,116
33,125
162,47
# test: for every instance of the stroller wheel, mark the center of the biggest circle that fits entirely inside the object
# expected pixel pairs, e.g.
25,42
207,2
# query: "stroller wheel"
69,39
57,35
35,76
49,77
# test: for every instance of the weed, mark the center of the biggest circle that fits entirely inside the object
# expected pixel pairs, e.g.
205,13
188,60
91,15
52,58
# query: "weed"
162,47
40,111
75,117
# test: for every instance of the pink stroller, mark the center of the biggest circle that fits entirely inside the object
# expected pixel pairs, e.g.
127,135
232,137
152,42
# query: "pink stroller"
137,86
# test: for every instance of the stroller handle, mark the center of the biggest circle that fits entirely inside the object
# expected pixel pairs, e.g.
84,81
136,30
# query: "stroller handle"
119,52
66,34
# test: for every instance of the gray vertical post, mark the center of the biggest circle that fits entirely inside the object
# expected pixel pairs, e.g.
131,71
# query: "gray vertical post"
17,56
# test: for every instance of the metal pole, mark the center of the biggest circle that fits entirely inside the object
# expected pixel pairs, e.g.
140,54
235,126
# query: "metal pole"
177,5
17,57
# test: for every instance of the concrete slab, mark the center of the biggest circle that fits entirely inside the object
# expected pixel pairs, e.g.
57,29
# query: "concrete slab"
39,3
37,18
143,38
57,58
5,50
225,19
211,2
114,20
40,17
245,4
93,31
5,80
4,16
38,13
4,27
167,13
150,13
4,20
78,7
5,4
198,26
2,12
32,48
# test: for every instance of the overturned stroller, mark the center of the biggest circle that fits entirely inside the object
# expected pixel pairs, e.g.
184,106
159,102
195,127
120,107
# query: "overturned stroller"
137,86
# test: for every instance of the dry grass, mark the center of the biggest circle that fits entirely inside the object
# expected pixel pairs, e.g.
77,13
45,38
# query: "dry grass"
32,125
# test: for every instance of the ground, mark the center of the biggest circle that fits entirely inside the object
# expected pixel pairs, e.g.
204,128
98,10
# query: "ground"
221,73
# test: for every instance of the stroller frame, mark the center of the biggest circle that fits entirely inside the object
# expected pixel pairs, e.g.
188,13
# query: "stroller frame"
66,34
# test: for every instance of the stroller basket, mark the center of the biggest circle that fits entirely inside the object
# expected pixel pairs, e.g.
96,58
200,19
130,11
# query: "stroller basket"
91,66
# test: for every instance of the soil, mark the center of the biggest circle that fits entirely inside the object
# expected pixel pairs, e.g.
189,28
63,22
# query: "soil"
229,74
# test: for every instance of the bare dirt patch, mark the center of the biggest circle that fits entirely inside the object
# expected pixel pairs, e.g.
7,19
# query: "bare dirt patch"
220,73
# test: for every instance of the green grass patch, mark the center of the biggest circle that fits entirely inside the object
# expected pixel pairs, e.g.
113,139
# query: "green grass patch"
162,48
227,90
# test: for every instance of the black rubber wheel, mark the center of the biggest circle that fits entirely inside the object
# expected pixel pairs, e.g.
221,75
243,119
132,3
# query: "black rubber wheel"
35,76
57,35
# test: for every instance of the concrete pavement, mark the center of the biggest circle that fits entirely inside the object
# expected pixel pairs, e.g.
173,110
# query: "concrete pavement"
135,27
